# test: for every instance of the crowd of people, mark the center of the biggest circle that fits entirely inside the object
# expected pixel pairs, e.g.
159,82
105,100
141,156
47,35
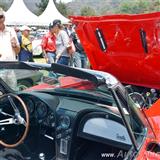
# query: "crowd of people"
60,45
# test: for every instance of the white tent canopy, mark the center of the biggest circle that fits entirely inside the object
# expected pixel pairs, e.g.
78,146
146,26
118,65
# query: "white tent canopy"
50,14
19,14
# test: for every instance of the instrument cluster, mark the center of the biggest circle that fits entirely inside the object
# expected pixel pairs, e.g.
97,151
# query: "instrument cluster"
39,111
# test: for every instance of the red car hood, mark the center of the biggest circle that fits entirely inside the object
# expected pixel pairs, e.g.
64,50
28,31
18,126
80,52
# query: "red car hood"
127,46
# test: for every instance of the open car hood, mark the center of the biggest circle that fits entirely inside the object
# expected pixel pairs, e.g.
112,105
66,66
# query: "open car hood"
127,46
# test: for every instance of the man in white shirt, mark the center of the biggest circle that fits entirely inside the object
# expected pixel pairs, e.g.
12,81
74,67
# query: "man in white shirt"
9,48
9,45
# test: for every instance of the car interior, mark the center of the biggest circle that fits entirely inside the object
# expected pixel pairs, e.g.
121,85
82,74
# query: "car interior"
65,127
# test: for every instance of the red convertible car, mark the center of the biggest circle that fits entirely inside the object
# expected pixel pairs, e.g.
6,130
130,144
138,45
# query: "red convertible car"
127,46
74,114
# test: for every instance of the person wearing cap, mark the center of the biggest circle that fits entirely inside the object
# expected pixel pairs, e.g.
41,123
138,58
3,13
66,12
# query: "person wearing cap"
9,45
62,41
68,27
49,46
26,45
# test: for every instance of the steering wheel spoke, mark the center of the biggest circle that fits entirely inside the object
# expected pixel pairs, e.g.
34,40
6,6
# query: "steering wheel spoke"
13,104
6,114
7,121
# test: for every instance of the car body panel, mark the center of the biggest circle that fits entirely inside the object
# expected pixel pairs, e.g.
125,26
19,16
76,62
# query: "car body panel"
36,43
153,114
131,58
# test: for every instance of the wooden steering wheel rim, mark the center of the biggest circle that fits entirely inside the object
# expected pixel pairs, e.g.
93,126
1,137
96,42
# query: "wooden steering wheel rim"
27,122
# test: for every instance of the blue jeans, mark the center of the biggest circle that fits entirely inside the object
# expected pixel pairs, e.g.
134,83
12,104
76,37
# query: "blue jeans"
51,57
63,60
84,61
76,60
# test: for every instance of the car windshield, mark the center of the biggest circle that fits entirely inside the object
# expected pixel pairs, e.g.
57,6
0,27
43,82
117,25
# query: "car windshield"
29,80
45,79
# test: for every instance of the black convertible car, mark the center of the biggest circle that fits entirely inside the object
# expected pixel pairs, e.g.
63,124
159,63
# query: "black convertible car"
70,114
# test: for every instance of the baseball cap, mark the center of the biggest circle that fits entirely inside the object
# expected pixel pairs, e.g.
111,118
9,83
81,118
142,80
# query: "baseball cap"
54,23
68,23
23,28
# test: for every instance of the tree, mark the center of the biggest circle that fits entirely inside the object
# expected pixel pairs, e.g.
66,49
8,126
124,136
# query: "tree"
42,6
154,5
139,6
62,8
5,4
87,11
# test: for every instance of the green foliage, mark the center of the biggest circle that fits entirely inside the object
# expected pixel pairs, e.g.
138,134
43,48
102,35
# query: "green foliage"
139,6
42,6
95,7
5,5
62,8
104,7
88,11
154,5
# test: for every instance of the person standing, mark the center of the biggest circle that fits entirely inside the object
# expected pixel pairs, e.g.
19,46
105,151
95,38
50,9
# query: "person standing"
80,50
26,45
75,59
9,45
9,48
49,46
62,42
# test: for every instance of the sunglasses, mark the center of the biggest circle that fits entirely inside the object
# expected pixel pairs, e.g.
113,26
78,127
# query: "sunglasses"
1,16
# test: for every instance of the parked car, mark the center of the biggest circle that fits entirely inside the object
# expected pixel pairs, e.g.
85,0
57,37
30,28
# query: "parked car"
27,78
36,44
126,46
80,114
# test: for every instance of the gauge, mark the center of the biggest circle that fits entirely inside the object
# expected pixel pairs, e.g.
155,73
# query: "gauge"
65,122
30,105
41,110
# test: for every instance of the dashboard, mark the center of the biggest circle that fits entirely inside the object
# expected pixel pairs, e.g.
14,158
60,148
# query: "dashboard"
65,119
40,111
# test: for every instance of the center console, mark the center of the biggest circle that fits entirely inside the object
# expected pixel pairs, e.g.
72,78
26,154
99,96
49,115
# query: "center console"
64,131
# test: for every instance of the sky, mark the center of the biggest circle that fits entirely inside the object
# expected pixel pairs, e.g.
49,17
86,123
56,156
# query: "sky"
65,1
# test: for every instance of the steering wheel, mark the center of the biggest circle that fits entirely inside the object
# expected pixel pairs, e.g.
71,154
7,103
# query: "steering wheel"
15,119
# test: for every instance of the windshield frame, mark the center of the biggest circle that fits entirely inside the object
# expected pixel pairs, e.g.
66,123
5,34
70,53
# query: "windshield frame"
120,98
